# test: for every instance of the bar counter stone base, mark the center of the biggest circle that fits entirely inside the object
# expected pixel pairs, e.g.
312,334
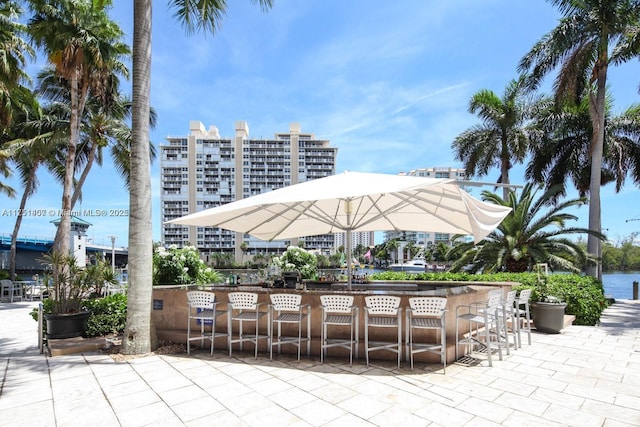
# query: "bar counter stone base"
169,314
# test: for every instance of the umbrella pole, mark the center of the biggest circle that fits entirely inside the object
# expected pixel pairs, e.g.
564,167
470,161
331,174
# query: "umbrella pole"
349,257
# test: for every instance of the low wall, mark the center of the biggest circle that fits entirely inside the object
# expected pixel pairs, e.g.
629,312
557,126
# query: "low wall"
169,314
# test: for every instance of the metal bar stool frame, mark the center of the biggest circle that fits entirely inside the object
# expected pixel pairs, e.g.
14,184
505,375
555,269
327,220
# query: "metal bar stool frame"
11,288
483,314
339,310
509,319
383,311
244,307
288,308
523,316
202,307
427,313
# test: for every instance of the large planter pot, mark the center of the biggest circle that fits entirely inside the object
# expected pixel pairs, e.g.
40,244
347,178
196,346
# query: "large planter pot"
548,317
66,325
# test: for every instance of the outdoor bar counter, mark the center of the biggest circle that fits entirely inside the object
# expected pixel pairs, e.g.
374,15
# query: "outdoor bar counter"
169,312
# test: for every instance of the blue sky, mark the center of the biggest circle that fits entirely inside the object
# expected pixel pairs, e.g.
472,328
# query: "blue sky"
387,82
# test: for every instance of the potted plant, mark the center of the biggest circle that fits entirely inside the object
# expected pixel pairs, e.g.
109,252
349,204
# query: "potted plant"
296,264
547,308
67,286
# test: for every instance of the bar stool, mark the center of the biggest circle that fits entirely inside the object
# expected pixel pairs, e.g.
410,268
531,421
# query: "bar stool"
288,308
11,290
6,289
522,302
383,311
338,310
509,320
244,307
427,313
203,309
483,314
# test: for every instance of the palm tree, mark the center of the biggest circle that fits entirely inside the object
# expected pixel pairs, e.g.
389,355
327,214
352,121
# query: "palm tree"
560,146
84,46
526,237
102,125
440,252
14,97
5,172
204,15
27,157
591,35
391,247
40,140
14,52
107,128
501,140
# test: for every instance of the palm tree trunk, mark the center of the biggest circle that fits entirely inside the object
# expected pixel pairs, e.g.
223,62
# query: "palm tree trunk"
504,173
597,111
28,188
139,336
77,191
63,233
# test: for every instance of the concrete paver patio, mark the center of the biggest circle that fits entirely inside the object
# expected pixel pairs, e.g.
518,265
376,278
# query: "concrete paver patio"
585,376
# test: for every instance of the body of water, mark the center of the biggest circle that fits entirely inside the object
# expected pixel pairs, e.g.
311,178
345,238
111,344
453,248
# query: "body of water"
620,285
616,284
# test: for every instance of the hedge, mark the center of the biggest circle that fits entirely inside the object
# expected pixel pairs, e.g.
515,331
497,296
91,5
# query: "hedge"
584,295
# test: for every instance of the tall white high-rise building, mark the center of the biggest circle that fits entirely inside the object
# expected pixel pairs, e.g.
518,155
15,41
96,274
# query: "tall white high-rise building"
364,238
426,238
204,170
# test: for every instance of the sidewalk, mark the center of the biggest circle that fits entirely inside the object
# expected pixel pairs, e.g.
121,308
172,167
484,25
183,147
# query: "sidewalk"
585,376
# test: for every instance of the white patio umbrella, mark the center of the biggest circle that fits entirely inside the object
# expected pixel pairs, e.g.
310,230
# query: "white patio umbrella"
355,201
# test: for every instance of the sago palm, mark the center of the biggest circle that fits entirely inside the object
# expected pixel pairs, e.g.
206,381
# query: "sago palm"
527,236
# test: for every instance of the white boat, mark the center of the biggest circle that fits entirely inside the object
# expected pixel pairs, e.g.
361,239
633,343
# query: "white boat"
415,265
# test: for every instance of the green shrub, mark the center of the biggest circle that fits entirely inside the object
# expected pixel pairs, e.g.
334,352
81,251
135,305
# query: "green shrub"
46,308
108,315
584,295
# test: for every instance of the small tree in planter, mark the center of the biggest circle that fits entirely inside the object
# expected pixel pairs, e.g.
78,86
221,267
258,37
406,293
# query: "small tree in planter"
548,309
181,266
297,259
67,287
66,283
